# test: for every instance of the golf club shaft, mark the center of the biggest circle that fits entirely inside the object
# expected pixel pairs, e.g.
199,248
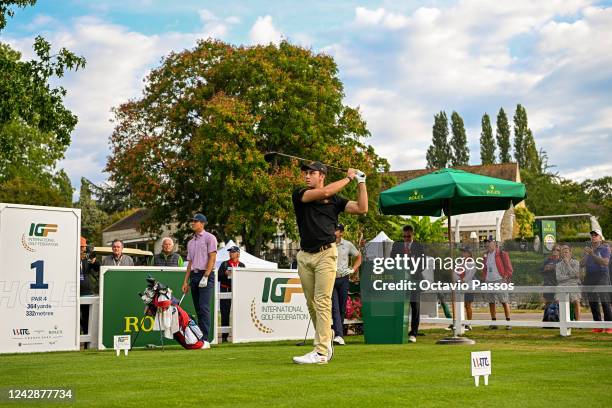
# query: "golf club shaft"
305,160
305,335
181,301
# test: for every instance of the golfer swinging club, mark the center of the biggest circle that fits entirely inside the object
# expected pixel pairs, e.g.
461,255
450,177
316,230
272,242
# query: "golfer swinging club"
316,209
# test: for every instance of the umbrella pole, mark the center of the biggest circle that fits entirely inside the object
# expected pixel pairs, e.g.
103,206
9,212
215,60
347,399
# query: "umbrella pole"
454,339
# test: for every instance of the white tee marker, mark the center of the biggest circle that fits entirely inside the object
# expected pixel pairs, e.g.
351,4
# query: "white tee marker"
122,343
481,365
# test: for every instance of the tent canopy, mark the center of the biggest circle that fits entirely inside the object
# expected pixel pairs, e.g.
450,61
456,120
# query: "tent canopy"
250,261
379,247
381,237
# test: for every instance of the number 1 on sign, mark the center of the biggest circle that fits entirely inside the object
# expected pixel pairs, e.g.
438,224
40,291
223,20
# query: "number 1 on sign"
40,267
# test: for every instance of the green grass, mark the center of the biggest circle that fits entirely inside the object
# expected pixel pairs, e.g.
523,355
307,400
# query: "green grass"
531,368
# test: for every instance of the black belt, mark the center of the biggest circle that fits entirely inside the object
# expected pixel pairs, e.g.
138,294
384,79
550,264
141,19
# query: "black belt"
319,249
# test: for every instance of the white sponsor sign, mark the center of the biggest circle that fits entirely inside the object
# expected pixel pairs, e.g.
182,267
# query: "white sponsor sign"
39,278
267,305
122,343
481,365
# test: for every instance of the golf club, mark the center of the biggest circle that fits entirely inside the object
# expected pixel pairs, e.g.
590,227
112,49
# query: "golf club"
270,155
181,301
303,343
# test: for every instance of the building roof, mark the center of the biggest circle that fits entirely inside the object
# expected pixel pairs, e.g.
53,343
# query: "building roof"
131,221
505,171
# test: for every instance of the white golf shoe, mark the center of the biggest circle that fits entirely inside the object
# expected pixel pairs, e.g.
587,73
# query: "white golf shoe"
339,340
206,345
311,358
412,339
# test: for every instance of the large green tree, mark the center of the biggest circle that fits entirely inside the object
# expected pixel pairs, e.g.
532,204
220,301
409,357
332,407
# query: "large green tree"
196,139
502,134
439,152
35,125
525,149
521,128
460,155
487,143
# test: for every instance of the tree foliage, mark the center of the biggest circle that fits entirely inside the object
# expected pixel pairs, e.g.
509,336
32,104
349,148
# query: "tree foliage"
460,155
487,143
439,153
93,219
35,125
426,230
524,220
502,134
521,128
7,9
196,139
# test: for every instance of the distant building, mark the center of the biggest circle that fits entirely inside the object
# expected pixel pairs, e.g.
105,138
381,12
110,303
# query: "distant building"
497,224
127,230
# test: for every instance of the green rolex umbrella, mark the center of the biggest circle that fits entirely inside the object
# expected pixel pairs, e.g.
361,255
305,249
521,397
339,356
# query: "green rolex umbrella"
454,192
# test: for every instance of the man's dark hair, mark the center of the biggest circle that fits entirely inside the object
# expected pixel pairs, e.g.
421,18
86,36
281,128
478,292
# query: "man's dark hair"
408,228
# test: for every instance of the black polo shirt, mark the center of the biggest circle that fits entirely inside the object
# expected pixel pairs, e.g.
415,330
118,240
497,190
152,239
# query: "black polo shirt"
317,220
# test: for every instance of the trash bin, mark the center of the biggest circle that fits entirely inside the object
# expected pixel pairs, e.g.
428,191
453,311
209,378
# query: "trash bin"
384,312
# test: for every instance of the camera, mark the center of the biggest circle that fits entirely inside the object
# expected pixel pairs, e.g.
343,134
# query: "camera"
89,252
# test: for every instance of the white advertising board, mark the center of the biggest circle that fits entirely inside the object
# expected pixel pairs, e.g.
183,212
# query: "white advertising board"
39,278
268,305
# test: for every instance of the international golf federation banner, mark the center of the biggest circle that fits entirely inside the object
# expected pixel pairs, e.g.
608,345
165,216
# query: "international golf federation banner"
268,305
39,278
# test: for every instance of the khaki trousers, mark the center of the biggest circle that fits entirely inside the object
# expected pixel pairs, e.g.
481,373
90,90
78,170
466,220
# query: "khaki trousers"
318,273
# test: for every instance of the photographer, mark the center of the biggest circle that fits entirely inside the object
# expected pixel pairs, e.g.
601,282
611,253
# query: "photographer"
595,260
89,275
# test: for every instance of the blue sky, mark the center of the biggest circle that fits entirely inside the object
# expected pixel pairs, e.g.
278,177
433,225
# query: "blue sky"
401,62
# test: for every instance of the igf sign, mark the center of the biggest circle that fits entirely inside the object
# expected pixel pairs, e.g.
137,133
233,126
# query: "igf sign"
39,278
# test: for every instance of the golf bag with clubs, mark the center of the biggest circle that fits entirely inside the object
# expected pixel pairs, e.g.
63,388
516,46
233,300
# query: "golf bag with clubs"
170,317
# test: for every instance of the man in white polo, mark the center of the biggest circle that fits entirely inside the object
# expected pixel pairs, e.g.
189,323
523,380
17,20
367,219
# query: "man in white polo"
346,249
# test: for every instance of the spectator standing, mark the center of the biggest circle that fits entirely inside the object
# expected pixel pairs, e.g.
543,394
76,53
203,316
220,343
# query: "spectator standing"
497,269
549,277
167,256
596,261
89,276
117,258
413,250
567,272
466,274
346,249
225,272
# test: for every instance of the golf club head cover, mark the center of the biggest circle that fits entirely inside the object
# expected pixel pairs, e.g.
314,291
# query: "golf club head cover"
360,176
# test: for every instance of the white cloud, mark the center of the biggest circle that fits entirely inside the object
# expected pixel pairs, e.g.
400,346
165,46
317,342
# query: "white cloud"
475,56
213,26
380,16
349,63
399,128
41,21
590,172
264,32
